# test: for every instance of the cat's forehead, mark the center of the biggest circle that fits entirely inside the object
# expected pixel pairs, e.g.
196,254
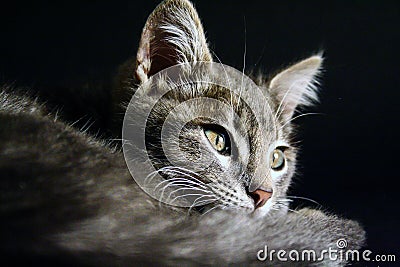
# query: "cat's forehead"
229,91
243,112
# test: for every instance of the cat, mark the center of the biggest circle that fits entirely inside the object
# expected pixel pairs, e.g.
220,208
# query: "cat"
68,198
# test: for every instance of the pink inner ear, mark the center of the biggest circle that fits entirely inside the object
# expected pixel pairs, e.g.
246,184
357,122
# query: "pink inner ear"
162,53
154,53
172,34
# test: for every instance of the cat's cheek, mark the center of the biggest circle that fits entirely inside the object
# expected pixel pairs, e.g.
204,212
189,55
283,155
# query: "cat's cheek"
224,160
277,176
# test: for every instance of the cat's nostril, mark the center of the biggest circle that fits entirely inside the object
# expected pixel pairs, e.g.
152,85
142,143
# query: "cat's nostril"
260,197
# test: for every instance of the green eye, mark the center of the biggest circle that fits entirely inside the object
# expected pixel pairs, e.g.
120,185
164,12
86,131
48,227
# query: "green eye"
277,160
219,139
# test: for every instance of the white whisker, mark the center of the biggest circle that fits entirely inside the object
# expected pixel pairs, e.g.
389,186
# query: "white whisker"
177,181
187,195
227,79
213,208
188,188
305,198
281,108
299,116
199,202
244,63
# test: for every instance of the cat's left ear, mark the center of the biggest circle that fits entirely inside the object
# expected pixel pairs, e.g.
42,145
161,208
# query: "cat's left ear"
296,86
173,34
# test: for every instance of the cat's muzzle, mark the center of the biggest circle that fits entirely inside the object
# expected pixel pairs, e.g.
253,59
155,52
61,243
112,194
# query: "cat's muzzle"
260,196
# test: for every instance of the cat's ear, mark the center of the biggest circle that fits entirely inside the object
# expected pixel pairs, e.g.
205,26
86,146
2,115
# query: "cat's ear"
296,86
173,34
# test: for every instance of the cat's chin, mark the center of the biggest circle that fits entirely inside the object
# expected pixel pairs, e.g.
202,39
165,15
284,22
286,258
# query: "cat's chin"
208,209
266,210
269,210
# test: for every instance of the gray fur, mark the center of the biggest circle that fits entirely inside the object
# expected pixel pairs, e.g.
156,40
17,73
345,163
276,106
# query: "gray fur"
67,197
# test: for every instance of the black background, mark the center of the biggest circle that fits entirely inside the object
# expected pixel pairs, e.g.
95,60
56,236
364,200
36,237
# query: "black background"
349,161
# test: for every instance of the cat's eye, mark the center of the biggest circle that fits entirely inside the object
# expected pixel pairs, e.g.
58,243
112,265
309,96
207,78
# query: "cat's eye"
218,138
277,159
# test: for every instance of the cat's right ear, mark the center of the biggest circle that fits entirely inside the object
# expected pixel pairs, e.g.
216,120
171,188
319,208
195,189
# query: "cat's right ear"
296,86
173,34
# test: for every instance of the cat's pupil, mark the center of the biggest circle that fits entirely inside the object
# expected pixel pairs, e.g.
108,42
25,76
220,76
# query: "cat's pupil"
219,142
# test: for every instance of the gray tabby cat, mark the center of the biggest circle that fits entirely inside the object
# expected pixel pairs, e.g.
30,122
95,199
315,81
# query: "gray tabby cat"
68,199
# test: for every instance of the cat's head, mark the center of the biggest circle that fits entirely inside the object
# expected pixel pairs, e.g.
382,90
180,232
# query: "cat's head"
233,151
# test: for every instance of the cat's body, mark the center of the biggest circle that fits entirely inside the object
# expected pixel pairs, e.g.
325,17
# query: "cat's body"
68,198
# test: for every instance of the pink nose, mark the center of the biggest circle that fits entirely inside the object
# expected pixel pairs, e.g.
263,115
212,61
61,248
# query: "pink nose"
260,197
